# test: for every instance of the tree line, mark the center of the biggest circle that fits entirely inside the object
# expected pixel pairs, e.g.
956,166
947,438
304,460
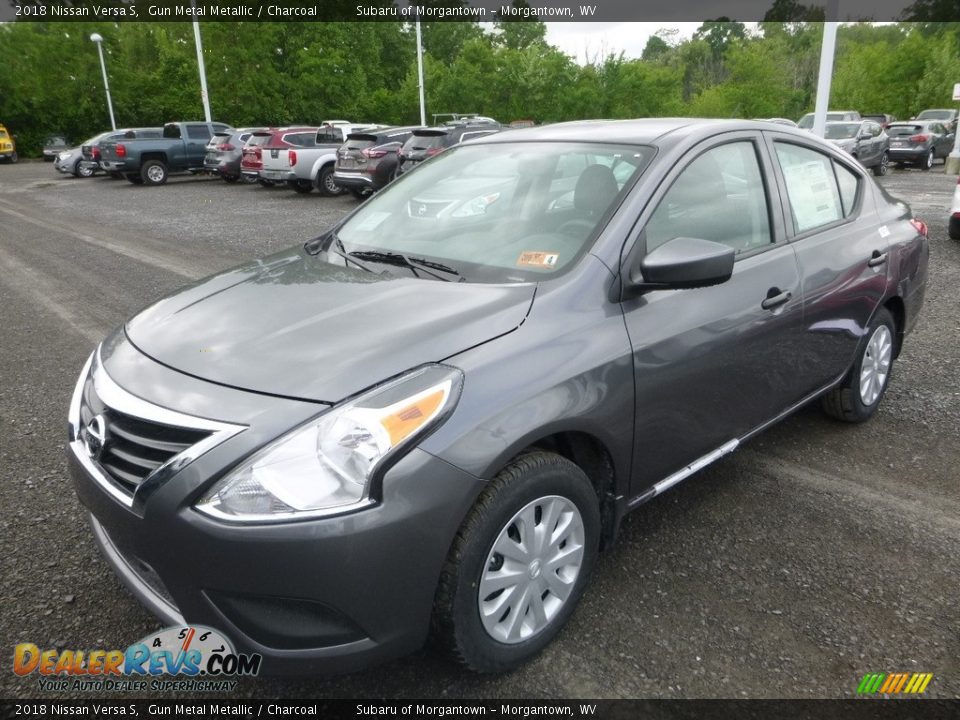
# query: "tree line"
281,73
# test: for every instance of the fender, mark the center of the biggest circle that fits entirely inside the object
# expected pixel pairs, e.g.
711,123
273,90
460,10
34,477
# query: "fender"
326,158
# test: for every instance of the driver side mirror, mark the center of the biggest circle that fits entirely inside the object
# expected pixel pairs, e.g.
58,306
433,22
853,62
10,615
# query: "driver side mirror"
681,263
864,136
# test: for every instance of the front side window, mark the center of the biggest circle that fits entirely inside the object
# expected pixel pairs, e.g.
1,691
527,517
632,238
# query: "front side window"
496,213
848,182
720,196
811,186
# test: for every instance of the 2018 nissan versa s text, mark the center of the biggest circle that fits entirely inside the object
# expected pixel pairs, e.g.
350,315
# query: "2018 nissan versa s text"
435,414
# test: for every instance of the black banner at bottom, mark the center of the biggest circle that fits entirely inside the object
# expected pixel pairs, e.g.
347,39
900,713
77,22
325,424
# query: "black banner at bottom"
861,709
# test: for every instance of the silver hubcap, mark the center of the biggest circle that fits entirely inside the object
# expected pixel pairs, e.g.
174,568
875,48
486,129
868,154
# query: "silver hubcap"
155,173
330,185
930,159
875,368
531,569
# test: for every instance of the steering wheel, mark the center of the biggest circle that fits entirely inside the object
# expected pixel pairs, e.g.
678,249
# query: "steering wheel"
577,227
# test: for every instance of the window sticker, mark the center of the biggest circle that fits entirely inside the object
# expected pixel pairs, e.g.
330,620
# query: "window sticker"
812,194
529,258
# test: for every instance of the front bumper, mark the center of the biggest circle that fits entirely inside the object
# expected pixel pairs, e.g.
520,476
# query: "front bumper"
326,595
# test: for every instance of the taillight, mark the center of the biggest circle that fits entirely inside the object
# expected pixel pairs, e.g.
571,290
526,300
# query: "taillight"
434,151
292,157
373,153
259,154
919,138
95,152
226,147
121,150
919,225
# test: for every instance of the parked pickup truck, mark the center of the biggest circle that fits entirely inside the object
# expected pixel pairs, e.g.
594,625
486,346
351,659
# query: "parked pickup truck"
309,167
150,161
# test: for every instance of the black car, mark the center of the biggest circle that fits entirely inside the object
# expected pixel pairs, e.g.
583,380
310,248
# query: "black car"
406,425
53,145
427,142
367,161
919,142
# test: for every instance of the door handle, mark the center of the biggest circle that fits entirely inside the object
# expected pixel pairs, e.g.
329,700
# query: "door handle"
775,298
878,258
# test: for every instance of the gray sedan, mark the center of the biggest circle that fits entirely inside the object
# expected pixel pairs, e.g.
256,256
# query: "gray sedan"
865,140
72,162
434,415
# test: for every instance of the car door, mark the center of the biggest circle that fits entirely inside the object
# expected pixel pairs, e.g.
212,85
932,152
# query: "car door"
198,135
711,364
875,144
840,246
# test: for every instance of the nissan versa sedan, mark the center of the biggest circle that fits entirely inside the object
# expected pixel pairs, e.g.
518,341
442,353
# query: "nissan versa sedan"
402,427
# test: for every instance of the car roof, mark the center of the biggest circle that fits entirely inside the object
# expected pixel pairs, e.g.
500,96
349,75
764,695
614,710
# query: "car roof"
659,131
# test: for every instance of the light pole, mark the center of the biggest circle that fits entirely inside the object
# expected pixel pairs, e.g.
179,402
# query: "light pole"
98,39
200,66
423,105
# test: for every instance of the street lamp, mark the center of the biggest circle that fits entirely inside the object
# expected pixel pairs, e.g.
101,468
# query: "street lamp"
98,39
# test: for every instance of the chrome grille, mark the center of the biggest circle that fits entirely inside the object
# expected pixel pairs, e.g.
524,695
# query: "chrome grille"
126,447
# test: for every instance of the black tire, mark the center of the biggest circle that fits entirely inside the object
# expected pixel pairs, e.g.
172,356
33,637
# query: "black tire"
302,186
265,183
153,172
134,178
359,194
953,228
881,168
927,162
230,178
457,622
14,157
325,183
845,401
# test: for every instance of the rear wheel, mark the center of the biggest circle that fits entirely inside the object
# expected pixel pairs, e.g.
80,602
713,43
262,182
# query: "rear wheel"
153,172
230,178
14,157
302,186
519,564
856,399
881,168
82,170
927,162
326,184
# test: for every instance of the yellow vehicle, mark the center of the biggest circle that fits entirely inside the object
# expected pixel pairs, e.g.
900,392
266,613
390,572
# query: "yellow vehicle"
8,146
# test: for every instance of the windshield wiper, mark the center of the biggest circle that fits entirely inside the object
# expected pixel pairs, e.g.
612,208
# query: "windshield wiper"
342,252
413,264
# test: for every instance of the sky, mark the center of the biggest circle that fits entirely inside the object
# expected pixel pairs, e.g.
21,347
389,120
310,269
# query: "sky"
592,40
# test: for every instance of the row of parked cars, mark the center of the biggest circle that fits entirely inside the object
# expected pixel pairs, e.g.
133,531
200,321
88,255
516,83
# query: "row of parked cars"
878,140
334,157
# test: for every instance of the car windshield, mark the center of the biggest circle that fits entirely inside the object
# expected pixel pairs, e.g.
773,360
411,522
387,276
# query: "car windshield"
3,133
841,131
936,115
494,213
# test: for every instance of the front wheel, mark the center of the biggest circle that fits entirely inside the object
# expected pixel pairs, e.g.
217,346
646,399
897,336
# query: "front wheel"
14,157
927,161
153,172
881,168
856,398
519,563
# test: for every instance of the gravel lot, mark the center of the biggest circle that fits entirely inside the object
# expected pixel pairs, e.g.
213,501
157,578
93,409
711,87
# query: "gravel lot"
813,555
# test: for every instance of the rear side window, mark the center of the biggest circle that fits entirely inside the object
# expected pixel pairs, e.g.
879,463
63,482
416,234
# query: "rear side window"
330,136
811,187
427,142
303,139
720,196
849,183
171,131
259,139
198,132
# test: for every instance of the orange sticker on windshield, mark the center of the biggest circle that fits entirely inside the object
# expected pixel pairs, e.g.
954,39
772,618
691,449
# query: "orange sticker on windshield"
538,259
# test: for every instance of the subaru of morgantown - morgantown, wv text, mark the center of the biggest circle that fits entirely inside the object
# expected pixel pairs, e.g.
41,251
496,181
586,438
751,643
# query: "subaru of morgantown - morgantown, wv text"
433,416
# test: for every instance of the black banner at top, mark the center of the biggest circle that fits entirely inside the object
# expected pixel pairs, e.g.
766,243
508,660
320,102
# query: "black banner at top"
478,10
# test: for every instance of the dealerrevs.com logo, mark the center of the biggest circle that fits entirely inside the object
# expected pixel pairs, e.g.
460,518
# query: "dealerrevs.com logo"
187,658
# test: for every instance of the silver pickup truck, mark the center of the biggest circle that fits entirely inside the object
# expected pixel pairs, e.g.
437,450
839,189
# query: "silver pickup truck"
306,168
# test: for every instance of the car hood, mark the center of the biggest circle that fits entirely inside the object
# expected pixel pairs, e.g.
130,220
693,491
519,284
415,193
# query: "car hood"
295,325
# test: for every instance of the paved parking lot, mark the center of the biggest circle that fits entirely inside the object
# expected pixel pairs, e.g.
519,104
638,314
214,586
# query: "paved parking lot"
813,555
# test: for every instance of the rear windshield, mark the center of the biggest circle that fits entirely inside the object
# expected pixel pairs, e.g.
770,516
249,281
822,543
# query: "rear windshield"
56,140
840,131
259,139
899,130
936,115
360,142
426,142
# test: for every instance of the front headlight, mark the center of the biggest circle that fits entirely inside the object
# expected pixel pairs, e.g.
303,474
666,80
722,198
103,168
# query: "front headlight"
326,466
477,206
